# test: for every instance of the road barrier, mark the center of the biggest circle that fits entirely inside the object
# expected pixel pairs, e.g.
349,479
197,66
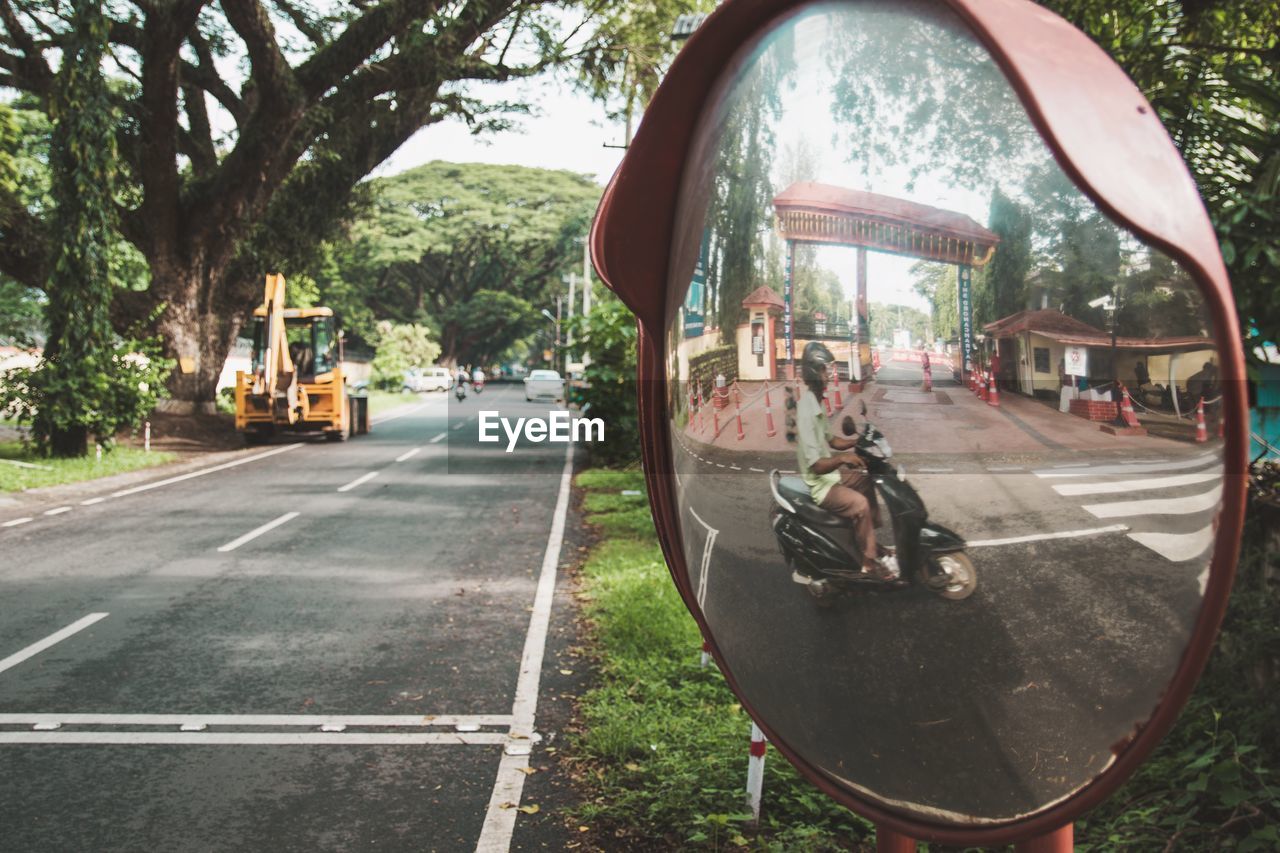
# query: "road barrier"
1202,435
769,429
993,395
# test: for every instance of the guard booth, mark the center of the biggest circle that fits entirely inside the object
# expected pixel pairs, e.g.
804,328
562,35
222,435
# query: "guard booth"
809,212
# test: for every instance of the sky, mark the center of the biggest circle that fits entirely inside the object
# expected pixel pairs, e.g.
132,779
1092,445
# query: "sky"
568,131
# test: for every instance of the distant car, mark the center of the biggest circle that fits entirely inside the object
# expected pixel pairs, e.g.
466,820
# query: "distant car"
427,379
543,384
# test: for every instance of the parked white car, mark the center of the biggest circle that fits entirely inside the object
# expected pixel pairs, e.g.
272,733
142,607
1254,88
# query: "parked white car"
428,379
543,384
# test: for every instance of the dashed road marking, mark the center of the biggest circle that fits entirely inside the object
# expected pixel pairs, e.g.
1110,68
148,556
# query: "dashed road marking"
16,521
51,640
92,501
408,454
57,510
358,481
441,437
258,531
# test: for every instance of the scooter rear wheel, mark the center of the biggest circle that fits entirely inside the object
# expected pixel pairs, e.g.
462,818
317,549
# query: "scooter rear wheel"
962,577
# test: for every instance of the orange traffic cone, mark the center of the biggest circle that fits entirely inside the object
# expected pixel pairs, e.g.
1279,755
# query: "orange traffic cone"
1201,435
769,429
741,434
993,395
1126,409
982,385
836,385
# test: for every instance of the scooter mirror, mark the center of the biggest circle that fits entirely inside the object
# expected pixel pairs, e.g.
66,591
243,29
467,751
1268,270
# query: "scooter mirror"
982,219
848,426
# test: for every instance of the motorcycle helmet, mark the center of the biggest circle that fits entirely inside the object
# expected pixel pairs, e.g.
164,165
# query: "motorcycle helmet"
815,362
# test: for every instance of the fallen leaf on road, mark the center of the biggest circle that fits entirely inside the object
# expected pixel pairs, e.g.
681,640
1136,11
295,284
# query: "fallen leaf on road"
530,809
528,771
632,766
584,829
566,672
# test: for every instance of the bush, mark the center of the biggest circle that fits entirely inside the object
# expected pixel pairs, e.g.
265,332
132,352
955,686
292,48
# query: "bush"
608,333
401,347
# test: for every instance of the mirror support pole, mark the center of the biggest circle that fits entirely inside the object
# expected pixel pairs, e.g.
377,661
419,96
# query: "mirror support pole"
888,841
1061,840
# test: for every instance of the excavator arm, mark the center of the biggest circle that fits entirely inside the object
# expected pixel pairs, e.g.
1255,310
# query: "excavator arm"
277,377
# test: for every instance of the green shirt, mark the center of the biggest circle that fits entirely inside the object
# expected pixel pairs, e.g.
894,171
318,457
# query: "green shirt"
812,434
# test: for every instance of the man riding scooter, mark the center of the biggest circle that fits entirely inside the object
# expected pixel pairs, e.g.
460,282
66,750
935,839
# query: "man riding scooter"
838,482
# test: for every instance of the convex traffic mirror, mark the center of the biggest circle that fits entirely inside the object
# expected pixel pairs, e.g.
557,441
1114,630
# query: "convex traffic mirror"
942,398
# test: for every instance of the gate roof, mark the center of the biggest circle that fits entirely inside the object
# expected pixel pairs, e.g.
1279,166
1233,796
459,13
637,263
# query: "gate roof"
820,213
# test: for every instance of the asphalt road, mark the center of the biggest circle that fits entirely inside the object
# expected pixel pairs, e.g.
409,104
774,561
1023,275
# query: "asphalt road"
1090,570
391,602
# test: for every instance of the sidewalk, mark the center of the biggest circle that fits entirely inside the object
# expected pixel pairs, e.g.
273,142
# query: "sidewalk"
951,419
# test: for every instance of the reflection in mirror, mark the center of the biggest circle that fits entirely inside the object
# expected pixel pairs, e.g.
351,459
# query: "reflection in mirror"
945,436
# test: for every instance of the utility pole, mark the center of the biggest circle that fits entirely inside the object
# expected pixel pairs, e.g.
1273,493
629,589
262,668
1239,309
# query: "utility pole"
568,343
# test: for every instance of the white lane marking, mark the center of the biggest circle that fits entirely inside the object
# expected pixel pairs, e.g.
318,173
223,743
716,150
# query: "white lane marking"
932,470
1165,506
1177,547
16,521
500,816
735,468
358,481
1135,467
53,639
258,531
410,411
92,501
757,470
1073,465
1068,489
408,454
440,437
712,533
1141,461
57,510
1039,537
459,425
295,720
1002,468
257,738
191,474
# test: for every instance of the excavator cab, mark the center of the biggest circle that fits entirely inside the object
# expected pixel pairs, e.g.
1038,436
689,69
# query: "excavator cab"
296,379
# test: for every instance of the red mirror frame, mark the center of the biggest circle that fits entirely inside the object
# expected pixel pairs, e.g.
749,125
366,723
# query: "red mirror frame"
1107,139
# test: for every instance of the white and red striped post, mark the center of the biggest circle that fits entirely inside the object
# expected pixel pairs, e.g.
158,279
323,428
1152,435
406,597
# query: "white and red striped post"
738,406
835,379
755,771
1202,435
769,429
706,654
993,395
146,436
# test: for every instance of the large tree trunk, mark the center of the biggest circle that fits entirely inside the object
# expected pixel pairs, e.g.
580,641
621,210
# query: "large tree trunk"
198,330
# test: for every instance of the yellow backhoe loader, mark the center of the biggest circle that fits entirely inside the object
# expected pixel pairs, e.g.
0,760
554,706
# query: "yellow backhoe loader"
296,382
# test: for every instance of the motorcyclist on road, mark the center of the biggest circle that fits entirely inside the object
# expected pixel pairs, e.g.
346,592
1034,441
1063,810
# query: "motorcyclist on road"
838,482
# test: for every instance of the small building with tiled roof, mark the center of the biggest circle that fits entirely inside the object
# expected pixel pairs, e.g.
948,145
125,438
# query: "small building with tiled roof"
1033,343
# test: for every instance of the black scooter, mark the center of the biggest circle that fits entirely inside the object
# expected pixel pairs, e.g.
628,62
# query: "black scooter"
824,556
460,391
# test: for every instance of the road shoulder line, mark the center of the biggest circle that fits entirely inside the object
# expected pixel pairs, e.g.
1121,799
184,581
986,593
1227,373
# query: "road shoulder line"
500,816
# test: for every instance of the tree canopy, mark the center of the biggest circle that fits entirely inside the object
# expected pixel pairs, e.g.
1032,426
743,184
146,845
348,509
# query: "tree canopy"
473,250
246,127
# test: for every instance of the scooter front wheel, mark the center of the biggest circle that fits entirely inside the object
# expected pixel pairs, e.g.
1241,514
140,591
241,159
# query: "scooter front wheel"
961,577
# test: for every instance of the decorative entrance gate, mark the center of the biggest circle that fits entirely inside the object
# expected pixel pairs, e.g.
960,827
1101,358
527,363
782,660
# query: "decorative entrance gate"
810,212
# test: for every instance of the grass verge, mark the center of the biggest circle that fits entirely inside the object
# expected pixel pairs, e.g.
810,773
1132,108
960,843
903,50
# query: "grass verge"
56,472
663,750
